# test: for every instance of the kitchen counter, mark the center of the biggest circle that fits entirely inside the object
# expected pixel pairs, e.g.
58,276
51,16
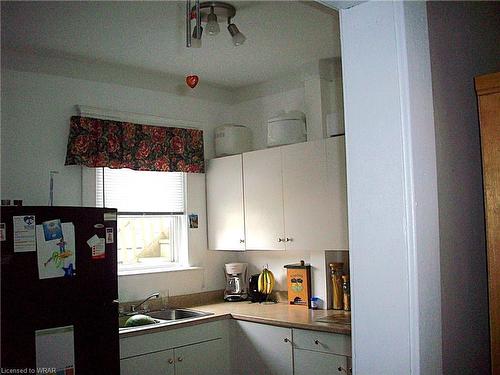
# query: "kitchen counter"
277,314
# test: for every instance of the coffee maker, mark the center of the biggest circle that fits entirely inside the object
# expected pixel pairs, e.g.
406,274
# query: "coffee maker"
236,284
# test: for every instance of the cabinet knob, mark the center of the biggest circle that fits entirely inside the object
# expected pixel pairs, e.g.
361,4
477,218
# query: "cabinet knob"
281,240
242,241
286,339
170,361
347,371
288,239
316,342
180,359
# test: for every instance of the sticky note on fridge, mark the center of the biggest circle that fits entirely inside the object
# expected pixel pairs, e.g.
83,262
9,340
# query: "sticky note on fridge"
99,249
92,241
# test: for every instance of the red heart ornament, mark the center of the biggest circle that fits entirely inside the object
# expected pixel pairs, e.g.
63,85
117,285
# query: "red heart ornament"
192,81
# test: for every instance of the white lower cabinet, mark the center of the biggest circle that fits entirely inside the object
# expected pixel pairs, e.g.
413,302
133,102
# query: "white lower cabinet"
326,353
268,350
202,358
260,349
197,350
322,363
153,363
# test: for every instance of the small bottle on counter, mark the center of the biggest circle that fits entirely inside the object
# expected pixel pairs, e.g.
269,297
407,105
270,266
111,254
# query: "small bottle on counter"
337,270
315,303
346,288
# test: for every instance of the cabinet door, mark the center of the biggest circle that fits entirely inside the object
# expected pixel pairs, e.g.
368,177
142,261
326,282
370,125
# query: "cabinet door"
263,187
159,363
208,358
337,190
261,349
226,229
307,362
307,203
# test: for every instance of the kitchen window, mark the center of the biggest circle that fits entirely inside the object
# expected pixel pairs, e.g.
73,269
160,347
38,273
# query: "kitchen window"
151,224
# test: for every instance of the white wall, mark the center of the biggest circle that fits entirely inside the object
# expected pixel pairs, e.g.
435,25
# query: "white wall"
392,193
35,124
463,44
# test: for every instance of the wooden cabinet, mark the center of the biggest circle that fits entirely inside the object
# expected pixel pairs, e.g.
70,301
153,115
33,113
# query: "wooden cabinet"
225,204
488,92
261,349
263,187
197,350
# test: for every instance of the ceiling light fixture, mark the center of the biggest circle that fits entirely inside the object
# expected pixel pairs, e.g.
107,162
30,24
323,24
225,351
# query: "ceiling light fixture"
237,35
212,24
211,12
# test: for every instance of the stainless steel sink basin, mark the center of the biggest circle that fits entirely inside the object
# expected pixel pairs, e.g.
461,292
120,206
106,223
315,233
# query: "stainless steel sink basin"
177,314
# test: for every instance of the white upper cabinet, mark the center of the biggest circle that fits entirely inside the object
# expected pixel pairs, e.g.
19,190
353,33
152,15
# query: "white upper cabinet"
306,196
314,192
263,187
295,198
226,227
337,191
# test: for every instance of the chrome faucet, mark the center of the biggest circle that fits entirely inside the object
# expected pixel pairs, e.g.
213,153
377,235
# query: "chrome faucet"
135,308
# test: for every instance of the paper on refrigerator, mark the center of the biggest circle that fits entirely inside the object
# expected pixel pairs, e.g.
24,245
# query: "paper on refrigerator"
24,233
55,350
56,256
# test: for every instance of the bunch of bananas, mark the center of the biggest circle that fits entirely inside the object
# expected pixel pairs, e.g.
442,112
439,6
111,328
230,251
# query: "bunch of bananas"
266,282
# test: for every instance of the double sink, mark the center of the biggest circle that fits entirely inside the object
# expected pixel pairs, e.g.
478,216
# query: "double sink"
164,316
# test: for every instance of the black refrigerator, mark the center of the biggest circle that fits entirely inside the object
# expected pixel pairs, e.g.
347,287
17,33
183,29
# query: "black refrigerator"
63,282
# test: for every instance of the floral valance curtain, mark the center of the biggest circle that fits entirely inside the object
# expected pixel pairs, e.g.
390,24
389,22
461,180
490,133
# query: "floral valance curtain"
103,143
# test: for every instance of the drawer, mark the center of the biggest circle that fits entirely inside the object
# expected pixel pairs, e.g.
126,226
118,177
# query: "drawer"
306,362
322,342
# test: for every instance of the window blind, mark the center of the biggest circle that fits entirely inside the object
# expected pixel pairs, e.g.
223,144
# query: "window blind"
140,191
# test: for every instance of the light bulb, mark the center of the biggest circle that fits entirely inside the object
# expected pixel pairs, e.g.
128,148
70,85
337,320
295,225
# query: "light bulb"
212,24
238,37
195,42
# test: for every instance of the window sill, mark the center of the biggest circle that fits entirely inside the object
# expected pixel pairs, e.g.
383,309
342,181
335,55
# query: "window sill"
140,271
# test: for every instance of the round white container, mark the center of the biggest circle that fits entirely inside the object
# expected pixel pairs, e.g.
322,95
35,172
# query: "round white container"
287,128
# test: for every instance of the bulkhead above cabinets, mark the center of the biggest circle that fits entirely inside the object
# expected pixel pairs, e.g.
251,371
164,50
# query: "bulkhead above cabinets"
284,198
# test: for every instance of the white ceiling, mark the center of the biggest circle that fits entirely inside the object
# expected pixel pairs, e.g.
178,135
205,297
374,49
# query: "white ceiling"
282,36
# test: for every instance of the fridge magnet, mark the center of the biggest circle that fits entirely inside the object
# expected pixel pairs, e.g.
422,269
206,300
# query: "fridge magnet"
24,233
55,350
97,246
193,221
2,232
56,257
52,229
110,237
99,249
109,216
